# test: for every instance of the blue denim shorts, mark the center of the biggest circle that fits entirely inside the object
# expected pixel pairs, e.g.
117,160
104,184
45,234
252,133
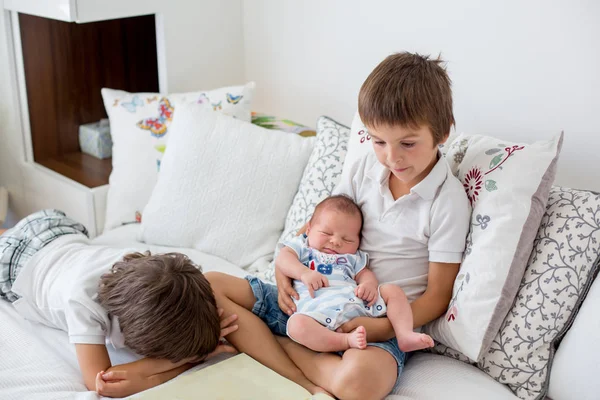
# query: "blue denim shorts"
267,309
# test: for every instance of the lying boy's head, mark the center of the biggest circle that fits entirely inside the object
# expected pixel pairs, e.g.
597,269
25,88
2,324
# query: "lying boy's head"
335,226
165,306
408,90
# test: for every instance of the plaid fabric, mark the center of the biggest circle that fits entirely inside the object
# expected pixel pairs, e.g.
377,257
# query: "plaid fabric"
32,233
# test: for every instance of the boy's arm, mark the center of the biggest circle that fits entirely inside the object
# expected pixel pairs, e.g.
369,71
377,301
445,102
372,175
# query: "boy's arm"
125,383
434,302
143,374
146,367
92,359
126,379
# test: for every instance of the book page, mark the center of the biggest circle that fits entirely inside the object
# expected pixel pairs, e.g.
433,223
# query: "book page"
239,377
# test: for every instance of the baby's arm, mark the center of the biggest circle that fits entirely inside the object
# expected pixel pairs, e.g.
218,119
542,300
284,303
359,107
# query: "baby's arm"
287,262
367,286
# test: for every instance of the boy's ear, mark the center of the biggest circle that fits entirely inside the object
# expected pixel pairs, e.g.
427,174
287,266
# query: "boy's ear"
444,139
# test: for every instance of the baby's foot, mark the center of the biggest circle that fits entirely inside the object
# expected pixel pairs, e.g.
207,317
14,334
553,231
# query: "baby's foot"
412,341
358,338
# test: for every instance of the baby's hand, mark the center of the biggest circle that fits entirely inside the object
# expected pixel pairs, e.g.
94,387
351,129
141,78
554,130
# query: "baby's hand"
367,291
314,281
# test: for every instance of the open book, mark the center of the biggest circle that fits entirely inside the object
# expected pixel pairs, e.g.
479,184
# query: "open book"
239,377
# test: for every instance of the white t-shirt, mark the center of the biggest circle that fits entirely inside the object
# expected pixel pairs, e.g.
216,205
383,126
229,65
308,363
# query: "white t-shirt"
430,224
59,288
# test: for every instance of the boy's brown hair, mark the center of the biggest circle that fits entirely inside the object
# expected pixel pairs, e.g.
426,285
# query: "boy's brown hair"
165,306
408,90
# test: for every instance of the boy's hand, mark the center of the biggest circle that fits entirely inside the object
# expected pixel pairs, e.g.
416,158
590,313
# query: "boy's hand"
314,281
285,293
227,326
367,291
121,383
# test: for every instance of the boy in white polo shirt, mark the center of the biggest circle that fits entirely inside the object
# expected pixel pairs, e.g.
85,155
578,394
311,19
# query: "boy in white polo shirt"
416,219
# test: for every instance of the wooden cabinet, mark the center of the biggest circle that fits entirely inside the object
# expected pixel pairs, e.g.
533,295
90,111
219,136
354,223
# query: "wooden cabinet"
61,67
65,66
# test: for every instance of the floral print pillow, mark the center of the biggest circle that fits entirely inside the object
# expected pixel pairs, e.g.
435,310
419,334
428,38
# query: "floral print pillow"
559,274
507,185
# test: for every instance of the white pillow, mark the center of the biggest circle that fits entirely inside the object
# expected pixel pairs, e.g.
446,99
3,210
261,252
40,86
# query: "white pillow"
508,186
225,186
139,124
360,142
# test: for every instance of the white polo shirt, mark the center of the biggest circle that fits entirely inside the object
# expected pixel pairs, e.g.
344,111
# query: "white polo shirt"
430,224
59,287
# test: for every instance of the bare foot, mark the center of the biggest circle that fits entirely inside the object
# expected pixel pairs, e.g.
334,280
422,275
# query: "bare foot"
414,341
357,339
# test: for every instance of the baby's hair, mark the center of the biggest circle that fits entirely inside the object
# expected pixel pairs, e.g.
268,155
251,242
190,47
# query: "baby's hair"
408,90
341,203
165,306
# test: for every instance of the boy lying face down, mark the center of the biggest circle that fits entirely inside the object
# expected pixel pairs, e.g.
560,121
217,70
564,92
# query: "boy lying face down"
160,306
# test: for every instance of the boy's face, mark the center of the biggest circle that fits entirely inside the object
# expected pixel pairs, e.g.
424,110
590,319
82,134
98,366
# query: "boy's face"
410,154
334,232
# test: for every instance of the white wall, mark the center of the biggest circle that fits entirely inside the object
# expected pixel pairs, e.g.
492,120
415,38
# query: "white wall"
522,70
12,153
204,44
203,50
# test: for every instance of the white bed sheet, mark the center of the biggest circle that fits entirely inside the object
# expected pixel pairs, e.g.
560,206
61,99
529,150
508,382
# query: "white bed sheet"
37,362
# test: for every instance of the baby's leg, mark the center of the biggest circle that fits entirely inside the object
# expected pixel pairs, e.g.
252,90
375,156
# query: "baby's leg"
400,315
308,332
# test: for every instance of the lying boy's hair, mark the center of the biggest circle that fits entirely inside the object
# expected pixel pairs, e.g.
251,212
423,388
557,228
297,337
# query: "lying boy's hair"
341,203
165,306
408,90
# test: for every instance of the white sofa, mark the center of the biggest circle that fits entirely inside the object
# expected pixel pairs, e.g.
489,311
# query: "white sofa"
432,376
38,362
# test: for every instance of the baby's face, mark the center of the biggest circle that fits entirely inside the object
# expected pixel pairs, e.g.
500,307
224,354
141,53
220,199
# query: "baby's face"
334,232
